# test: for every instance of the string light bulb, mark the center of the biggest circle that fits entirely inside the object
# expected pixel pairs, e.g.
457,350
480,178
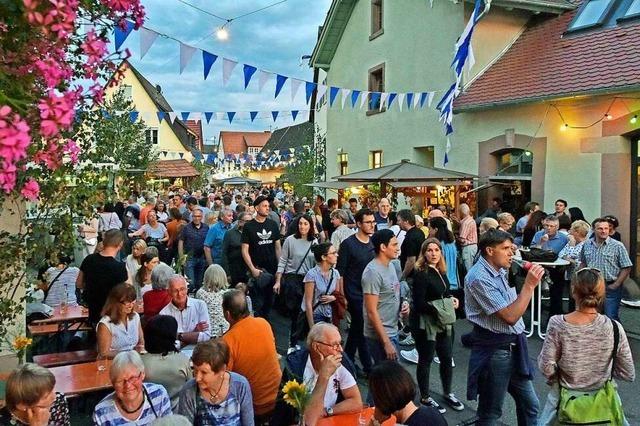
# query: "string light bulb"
608,116
564,127
222,33
634,119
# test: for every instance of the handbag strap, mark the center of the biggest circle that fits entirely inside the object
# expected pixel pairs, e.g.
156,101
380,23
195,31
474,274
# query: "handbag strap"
441,280
616,341
326,291
303,258
46,292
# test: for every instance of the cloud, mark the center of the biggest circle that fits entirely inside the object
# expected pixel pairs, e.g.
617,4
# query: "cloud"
273,39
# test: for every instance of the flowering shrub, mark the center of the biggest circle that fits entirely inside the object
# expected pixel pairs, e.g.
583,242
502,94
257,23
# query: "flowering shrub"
54,65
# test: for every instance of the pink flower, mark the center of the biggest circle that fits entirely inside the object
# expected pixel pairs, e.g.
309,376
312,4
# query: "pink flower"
50,156
14,136
8,177
57,113
94,47
30,190
72,149
97,93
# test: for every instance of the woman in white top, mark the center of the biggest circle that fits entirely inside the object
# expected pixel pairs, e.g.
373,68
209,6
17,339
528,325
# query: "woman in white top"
142,279
214,284
119,329
108,219
133,260
161,212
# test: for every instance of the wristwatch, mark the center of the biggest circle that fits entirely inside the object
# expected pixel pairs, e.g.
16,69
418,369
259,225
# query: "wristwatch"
180,337
329,411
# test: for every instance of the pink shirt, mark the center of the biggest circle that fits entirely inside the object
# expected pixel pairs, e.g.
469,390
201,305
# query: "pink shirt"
468,231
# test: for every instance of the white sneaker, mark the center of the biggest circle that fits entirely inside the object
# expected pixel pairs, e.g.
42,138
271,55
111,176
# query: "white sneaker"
631,303
437,361
411,356
293,349
407,341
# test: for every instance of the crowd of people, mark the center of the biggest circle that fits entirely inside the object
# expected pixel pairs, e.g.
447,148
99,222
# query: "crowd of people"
180,289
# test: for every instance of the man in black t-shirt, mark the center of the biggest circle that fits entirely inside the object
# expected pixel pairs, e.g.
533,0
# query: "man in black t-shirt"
100,272
261,251
413,239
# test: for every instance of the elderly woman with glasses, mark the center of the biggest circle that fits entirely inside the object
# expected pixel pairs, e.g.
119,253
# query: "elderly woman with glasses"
132,401
577,351
215,395
119,328
31,400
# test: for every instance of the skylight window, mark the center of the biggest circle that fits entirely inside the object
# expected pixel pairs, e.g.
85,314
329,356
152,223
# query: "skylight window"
593,13
634,9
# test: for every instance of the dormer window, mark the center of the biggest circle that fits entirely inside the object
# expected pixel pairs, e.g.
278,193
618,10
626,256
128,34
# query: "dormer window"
633,11
591,14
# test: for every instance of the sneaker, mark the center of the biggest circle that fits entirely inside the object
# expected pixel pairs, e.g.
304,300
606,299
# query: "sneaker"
454,402
293,349
411,356
430,402
407,341
437,361
631,303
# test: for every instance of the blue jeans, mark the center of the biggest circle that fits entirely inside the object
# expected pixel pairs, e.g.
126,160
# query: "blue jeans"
501,376
376,350
194,270
356,340
612,303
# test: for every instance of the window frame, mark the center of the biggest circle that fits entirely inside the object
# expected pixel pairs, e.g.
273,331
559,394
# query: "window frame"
372,159
626,17
378,68
127,91
374,31
598,23
148,136
343,163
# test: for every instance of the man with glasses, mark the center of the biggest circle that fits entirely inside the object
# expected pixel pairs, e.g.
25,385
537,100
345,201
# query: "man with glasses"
191,243
354,255
610,257
550,239
232,261
328,372
191,314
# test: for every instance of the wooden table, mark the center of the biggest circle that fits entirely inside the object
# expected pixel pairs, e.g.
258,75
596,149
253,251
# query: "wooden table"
83,378
351,419
75,313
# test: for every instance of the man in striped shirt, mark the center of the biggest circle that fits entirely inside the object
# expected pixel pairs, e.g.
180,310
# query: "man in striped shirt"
467,235
499,359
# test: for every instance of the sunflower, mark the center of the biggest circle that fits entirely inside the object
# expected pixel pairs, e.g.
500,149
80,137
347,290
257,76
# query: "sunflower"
296,394
20,343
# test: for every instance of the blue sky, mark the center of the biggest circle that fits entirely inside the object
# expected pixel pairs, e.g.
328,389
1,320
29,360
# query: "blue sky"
273,40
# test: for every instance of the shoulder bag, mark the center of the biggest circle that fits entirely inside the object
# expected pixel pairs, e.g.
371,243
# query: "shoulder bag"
600,408
443,307
302,325
292,286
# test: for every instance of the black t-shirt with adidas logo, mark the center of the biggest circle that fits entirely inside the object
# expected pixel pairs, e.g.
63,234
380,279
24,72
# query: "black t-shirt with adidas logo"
262,238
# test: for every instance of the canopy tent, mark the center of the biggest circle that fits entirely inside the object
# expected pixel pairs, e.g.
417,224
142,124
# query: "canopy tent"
335,184
411,174
172,169
238,180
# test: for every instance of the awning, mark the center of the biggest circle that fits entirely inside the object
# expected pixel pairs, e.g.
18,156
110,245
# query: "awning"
172,169
414,184
408,172
335,184
238,180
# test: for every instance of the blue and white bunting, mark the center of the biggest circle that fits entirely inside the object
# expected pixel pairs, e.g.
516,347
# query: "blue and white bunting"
208,115
409,100
121,34
133,116
294,114
295,86
274,114
186,53
253,115
280,80
309,87
263,78
227,68
160,115
185,115
248,71
147,38
354,97
208,59
392,97
333,92
230,115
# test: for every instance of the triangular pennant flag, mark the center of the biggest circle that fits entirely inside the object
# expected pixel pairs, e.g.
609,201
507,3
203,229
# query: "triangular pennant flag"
196,116
133,116
430,98
181,154
274,114
322,89
294,114
383,99
248,71
446,151
416,100
295,85
392,97
185,115
309,87
186,53
409,100
208,115
172,117
345,95
423,98
363,98
121,34
253,115
230,115
227,68
375,100
280,80
164,153
354,97
208,60
333,91
147,37
160,115
400,100
263,77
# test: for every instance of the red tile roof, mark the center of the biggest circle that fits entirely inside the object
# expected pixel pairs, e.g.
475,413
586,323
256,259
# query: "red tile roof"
196,128
237,142
544,64
173,169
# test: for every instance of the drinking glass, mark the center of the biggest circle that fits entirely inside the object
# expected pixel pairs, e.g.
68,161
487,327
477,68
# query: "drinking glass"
101,360
362,417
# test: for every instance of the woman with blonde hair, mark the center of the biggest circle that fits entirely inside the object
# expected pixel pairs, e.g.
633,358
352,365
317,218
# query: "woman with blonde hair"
214,284
579,352
133,260
119,329
430,284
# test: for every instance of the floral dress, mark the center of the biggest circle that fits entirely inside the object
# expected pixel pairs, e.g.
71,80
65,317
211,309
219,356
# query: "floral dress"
219,325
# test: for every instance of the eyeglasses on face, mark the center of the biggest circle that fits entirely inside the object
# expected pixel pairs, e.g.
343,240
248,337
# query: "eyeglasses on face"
126,302
334,346
369,222
130,380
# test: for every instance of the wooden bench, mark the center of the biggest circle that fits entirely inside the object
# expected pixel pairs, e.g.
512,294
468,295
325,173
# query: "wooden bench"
65,358
43,329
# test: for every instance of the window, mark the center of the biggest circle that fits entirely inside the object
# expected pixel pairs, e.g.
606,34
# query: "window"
592,13
634,10
127,91
376,19
253,150
376,84
343,162
515,162
151,136
375,159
